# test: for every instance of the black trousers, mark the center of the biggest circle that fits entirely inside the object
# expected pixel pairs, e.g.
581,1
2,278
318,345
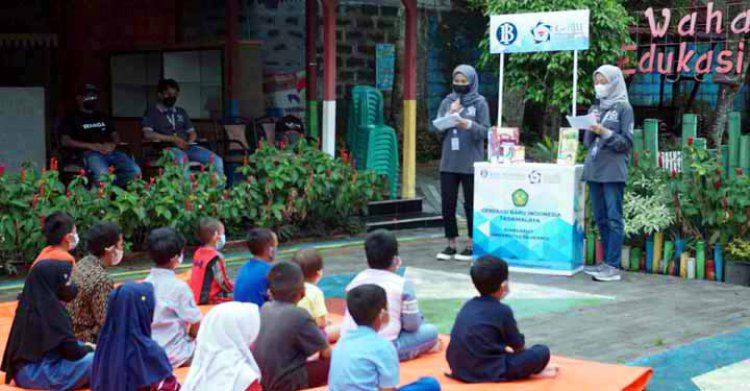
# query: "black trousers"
449,182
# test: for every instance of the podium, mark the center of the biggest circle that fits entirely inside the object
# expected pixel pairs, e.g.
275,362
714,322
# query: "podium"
530,215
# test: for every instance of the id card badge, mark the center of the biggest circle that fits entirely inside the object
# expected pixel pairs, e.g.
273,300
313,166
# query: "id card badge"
455,146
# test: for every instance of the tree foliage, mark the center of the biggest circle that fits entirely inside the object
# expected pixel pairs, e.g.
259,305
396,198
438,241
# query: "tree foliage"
548,76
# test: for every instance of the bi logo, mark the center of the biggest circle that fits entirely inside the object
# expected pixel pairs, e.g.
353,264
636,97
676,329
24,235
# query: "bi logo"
507,33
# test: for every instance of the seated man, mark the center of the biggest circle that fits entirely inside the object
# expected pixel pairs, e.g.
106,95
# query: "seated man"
92,132
171,124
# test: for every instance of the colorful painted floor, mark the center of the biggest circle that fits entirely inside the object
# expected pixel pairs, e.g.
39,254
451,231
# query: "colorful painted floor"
441,295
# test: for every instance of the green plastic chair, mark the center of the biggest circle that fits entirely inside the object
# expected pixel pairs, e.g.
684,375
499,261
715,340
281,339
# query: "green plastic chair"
366,109
382,155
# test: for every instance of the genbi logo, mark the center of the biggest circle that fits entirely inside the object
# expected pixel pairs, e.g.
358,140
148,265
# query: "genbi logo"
541,32
507,33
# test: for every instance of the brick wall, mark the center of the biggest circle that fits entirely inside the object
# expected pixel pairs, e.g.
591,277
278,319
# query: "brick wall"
448,36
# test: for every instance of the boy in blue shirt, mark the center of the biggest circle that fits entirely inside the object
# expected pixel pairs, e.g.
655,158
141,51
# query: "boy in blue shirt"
251,285
362,360
486,345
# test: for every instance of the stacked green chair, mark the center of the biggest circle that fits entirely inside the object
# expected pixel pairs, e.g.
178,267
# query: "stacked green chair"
366,109
382,154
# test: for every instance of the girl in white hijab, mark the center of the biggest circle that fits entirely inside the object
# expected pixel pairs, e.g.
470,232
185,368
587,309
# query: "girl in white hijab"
223,360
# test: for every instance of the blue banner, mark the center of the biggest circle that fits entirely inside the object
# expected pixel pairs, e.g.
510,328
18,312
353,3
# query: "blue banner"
385,62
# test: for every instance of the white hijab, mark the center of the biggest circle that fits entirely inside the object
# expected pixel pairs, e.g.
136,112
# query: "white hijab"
223,360
617,90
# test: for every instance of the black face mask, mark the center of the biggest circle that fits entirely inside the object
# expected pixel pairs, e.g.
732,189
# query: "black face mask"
90,105
169,101
461,88
67,292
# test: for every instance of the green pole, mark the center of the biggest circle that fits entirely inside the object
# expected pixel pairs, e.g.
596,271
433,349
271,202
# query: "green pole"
734,143
651,138
689,127
744,161
311,114
637,143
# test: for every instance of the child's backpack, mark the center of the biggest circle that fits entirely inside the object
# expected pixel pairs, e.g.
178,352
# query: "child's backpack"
289,130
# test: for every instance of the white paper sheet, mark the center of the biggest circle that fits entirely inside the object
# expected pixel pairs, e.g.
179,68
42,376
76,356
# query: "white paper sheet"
447,122
582,122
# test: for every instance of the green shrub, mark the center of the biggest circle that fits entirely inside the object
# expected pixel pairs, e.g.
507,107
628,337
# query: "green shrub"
296,191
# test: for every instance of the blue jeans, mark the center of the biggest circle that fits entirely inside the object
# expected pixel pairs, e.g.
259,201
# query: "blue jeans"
423,384
412,344
56,373
526,362
606,200
199,154
98,165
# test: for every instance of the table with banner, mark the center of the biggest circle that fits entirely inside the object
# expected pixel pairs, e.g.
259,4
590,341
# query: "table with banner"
531,215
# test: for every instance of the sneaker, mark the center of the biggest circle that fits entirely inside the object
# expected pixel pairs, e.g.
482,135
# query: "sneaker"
465,256
607,274
593,269
447,254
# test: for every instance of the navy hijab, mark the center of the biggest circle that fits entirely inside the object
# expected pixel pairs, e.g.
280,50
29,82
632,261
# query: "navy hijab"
472,96
126,357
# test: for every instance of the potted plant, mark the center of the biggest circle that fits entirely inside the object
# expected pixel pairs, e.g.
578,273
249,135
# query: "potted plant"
738,262
646,209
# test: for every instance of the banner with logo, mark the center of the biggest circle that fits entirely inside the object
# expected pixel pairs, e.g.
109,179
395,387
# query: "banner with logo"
385,65
530,215
539,32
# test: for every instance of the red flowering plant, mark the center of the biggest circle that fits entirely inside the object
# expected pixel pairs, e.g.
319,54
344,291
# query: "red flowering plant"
286,190
702,194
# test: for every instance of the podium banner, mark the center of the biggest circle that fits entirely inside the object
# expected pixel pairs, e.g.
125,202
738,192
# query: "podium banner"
530,215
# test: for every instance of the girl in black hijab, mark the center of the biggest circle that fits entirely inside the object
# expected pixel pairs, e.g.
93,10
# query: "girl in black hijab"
42,352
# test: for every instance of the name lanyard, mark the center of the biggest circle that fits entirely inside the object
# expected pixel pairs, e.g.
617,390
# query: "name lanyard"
171,119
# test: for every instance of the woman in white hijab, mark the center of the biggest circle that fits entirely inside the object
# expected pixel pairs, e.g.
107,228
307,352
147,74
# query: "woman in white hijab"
606,167
223,360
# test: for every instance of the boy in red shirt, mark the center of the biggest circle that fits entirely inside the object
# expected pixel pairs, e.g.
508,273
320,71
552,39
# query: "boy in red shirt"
209,280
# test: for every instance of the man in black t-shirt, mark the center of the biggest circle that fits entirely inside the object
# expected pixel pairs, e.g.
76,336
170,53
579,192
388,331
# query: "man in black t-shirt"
92,132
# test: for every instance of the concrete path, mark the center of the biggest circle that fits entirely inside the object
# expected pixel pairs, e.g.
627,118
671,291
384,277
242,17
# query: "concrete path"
649,314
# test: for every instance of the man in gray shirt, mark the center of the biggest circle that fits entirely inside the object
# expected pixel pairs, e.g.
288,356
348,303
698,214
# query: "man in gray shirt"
165,122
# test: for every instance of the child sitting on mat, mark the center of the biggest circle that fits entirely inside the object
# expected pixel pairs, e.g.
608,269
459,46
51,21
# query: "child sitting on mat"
209,280
176,317
314,301
288,336
363,360
61,236
251,285
486,345
405,329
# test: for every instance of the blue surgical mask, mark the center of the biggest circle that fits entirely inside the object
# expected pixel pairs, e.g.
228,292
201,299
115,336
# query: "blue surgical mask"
222,241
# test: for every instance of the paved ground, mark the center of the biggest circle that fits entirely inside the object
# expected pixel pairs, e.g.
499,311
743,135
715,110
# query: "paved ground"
649,313
701,327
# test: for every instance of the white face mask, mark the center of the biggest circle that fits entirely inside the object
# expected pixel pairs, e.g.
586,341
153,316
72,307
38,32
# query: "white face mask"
74,241
222,241
116,256
396,263
602,90
180,259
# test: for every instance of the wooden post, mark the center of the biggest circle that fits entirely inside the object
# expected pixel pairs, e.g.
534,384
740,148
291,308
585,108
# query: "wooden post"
408,176
311,67
329,77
